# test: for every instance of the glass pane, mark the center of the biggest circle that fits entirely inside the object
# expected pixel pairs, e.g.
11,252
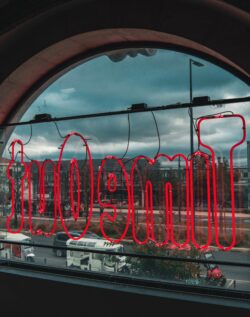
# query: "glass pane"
129,180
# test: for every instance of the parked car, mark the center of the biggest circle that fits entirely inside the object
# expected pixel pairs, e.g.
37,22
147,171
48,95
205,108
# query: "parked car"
61,238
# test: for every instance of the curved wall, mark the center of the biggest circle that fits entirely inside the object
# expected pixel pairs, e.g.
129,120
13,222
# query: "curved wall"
39,46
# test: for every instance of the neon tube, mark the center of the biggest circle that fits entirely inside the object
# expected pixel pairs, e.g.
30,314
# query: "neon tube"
209,238
76,215
112,179
200,121
168,208
41,205
74,169
13,190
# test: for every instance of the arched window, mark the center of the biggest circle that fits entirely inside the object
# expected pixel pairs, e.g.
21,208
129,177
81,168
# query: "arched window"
138,151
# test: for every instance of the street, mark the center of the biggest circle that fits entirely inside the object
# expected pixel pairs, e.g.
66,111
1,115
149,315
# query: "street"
241,275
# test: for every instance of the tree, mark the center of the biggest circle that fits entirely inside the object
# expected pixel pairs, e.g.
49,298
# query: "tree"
165,269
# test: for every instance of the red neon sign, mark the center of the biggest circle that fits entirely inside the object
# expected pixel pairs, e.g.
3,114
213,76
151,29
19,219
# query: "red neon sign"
112,187
214,176
42,200
207,166
74,167
41,196
150,234
127,183
14,184
74,170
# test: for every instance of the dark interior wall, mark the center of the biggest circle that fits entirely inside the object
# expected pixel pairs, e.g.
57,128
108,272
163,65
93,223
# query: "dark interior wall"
26,296
26,28
211,23
29,28
14,12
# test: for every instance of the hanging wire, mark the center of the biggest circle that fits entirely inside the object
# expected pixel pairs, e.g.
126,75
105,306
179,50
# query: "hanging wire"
213,114
18,152
59,133
9,151
28,157
158,135
207,116
128,139
31,134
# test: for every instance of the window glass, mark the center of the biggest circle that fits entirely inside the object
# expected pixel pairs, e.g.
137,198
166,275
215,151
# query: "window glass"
138,170
62,237
97,256
85,261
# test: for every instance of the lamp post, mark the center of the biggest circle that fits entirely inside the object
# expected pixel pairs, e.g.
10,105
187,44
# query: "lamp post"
190,110
198,64
102,189
17,192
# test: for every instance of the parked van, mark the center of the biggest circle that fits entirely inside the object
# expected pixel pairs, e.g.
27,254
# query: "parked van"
97,262
16,251
61,238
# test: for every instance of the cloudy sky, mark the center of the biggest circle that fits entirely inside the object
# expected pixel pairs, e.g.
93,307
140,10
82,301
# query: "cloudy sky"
101,85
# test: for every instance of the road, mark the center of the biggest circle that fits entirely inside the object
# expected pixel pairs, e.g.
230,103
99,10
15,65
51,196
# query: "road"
241,275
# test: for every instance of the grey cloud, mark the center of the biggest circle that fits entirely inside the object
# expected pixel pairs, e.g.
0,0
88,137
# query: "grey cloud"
100,85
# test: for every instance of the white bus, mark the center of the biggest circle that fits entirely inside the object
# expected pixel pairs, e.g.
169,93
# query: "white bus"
10,251
97,262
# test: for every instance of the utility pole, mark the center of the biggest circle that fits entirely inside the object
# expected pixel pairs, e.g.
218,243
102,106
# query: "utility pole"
17,194
190,109
198,64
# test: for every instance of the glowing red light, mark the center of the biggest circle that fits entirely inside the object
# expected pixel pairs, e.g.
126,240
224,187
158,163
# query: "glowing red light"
74,170
126,184
112,182
112,179
41,192
209,237
148,216
41,205
42,208
215,176
150,234
74,167
14,184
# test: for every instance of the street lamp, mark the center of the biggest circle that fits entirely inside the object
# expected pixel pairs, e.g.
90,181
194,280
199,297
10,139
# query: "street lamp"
17,170
198,64
190,110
